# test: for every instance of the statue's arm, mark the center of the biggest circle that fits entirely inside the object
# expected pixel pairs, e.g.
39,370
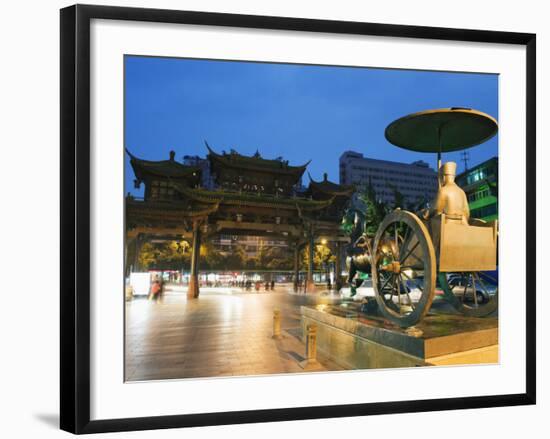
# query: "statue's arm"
466,206
438,205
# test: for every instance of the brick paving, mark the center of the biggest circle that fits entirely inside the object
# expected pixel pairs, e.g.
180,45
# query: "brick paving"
222,333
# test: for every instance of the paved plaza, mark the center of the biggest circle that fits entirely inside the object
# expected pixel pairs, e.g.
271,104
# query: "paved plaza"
225,332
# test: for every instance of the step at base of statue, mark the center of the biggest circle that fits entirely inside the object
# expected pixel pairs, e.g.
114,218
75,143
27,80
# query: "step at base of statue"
356,340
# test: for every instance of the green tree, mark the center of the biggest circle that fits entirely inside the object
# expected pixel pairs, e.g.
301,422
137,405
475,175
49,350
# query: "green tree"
148,255
251,263
322,256
236,258
399,199
375,210
273,258
210,257
170,255
279,258
175,255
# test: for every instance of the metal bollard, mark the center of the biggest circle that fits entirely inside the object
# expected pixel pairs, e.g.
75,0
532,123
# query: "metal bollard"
311,342
277,324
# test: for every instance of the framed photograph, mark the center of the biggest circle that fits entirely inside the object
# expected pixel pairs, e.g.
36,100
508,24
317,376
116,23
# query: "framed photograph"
275,218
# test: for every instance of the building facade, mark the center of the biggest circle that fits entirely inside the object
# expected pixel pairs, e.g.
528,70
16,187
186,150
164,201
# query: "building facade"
481,186
251,244
416,182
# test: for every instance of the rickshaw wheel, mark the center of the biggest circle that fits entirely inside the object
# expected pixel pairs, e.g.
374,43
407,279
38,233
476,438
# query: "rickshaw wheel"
471,306
403,265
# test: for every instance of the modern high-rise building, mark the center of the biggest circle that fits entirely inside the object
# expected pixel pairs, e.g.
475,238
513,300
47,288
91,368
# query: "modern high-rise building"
481,186
416,182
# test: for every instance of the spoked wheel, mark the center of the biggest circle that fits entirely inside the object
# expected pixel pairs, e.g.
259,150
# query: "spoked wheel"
474,294
403,268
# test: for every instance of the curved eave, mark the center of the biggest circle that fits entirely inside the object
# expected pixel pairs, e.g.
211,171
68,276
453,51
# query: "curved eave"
339,190
142,168
173,209
344,192
234,199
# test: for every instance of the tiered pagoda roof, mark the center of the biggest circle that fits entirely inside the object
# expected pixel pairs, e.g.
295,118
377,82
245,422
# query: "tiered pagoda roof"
254,163
251,191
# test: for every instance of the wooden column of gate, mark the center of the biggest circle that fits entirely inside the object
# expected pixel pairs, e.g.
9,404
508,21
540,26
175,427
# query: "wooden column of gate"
310,283
338,267
296,266
193,288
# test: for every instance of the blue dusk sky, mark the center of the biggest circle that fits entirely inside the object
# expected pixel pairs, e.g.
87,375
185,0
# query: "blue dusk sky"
299,112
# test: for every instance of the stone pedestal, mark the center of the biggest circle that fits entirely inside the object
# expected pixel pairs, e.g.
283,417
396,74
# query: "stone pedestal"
355,340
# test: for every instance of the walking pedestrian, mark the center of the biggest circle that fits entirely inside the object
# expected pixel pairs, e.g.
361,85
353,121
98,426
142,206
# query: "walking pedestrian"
156,290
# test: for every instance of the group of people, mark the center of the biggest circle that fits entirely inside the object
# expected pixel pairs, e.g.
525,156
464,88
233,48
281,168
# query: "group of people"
301,285
267,285
247,285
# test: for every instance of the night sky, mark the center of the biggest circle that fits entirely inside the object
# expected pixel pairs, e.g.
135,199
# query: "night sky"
298,112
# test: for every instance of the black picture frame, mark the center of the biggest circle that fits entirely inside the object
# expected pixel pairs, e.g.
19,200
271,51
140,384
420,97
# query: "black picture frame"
75,217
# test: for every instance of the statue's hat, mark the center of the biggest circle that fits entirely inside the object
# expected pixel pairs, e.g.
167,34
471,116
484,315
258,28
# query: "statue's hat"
449,168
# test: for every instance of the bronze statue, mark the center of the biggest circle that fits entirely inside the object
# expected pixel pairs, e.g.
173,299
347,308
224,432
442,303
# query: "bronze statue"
409,251
451,199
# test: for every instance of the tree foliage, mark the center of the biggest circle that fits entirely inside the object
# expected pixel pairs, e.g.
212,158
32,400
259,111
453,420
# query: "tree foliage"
273,258
176,255
375,209
322,256
170,255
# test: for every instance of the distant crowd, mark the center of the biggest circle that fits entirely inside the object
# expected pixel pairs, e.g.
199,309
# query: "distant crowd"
246,285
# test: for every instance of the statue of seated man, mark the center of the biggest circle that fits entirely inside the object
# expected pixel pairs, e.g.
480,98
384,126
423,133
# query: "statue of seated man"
451,199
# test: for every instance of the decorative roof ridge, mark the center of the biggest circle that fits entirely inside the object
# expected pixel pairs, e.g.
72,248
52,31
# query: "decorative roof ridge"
155,162
162,168
336,187
230,159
